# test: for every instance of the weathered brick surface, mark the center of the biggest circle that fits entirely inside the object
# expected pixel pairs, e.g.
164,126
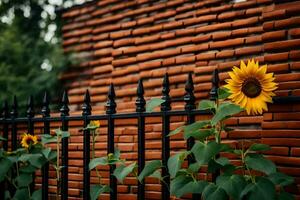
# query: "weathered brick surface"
123,41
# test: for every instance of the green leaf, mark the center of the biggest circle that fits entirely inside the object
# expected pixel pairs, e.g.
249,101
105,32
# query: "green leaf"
178,182
175,162
37,195
21,194
2,138
213,192
176,131
65,134
153,103
262,189
156,174
259,147
206,105
96,190
37,160
281,179
98,161
200,134
122,171
214,165
28,169
204,152
149,169
233,185
5,165
285,196
46,152
223,93
195,126
48,139
225,110
260,163
24,179
194,187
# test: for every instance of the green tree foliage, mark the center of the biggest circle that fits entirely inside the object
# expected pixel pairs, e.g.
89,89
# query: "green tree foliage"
31,59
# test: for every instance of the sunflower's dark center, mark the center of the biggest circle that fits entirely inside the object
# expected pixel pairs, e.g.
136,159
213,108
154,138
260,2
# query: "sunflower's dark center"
251,87
29,140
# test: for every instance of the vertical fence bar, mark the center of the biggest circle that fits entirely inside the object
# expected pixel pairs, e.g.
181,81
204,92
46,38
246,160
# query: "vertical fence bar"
14,115
111,109
140,107
30,127
45,170
64,112
5,124
5,115
165,106
213,97
86,111
189,99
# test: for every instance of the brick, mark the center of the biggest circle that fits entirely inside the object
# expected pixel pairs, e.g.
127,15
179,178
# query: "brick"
124,61
295,54
276,14
225,54
295,66
227,43
276,57
295,33
248,50
230,15
206,56
295,152
274,35
288,44
221,35
147,39
245,22
278,68
293,21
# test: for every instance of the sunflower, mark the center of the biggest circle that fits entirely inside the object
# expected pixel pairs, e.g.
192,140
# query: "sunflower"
95,123
251,87
28,140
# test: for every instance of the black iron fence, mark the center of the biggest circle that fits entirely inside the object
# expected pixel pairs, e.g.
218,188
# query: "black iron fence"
9,121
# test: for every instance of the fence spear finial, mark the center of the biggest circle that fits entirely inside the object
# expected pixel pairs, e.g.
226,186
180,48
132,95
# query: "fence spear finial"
111,104
45,107
30,107
86,107
64,110
165,106
215,85
189,96
5,112
140,101
14,110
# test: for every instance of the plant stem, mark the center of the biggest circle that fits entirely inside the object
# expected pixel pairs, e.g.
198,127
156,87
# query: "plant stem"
93,154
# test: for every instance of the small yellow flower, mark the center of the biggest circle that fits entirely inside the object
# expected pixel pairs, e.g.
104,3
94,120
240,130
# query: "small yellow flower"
251,87
95,123
28,140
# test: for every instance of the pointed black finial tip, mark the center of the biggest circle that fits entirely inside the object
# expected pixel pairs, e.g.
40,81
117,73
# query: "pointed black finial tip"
140,88
46,98
87,97
111,91
65,98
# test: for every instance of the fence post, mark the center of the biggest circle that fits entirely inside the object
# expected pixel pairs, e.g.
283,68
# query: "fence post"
5,125
140,107
111,109
14,115
86,110
165,107
64,112
189,99
213,97
45,170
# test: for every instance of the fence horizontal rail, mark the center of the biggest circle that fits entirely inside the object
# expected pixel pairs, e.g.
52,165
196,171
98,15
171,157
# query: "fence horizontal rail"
11,119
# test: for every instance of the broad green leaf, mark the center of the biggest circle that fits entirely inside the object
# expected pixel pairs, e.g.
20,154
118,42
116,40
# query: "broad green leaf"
175,162
5,165
153,103
179,182
285,196
98,161
204,152
213,192
195,126
194,167
149,169
37,195
281,179
233,185
262,189
206,105
259,147
65,134
37,160
28,169
194,187
52,156
223,93
260,163
96,190
200,134
156,174
46,152
48,139
122,171
214,165
21,194
176,131
2,138
225,110
23,180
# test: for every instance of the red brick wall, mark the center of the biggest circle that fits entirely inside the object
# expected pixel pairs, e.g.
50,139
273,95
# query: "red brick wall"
122,41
